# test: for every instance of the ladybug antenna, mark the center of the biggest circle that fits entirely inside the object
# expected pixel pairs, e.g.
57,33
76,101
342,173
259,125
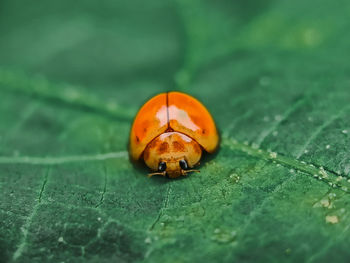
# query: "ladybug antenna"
188,171
156,173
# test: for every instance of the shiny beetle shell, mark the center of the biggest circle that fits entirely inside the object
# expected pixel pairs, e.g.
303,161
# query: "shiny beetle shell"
169,133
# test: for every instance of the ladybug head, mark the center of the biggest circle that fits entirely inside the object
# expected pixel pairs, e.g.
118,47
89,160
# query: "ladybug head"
172,154
173,168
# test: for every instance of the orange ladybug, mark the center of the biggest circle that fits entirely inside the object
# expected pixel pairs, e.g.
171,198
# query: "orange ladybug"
169,133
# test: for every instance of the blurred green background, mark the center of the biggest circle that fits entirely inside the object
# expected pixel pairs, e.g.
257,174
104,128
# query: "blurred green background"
274,75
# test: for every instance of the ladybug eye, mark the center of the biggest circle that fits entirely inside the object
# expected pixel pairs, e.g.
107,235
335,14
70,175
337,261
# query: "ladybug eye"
162,167
183,164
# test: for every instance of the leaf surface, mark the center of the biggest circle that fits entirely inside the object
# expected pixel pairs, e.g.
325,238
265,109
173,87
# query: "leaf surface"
275,76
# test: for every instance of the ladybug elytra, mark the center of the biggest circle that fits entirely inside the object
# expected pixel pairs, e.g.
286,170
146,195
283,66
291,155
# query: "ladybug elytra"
169,133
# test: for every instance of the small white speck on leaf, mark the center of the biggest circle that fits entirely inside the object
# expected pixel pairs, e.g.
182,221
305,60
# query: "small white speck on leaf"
234,177
60,239
223,236
278,118
344,131
273,155
328,146
332,219
332,195
255,146
148,240
323,172
339,178
325,202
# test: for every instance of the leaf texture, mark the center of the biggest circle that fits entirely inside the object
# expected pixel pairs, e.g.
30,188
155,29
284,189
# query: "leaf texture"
274,75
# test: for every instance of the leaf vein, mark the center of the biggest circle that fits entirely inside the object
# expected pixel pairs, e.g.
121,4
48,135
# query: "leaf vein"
317,172
319,130
61,160
25,228
104,188
161,211
65,94
274,127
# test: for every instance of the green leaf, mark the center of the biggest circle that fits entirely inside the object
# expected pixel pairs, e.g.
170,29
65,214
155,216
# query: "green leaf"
275,76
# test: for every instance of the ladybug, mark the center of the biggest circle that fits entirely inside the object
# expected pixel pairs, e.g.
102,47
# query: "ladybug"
170,132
